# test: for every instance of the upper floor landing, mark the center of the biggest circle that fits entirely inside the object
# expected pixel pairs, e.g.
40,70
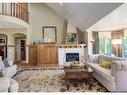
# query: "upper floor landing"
18,10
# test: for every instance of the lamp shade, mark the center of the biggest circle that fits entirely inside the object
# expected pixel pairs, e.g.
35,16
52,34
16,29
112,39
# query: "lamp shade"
116,41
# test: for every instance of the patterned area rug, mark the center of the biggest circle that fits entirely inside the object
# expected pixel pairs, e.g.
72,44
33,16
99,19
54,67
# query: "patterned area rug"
51,80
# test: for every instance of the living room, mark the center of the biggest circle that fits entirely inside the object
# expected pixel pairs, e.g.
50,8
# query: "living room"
63,47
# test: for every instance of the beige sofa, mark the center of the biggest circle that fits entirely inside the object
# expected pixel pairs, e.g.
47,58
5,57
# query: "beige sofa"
113,79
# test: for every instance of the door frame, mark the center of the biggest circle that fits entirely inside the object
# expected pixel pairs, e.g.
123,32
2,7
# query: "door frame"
15,48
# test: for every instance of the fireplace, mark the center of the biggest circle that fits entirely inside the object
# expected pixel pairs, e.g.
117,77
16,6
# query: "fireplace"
72,57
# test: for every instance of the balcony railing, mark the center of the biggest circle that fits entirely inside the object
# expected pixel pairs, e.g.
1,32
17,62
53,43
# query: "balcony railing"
18,10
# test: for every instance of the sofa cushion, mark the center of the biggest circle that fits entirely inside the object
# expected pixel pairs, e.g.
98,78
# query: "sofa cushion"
94,58
105,73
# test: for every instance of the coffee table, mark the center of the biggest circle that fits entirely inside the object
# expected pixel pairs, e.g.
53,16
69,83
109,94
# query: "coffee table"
85,73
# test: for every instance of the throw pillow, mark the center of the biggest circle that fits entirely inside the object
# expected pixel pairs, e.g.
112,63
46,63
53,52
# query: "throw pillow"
6,64
106,64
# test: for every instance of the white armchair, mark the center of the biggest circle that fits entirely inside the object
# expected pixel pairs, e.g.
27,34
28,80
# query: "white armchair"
119,71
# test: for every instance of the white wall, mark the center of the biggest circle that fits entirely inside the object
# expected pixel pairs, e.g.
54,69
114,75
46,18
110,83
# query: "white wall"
41,15
115,20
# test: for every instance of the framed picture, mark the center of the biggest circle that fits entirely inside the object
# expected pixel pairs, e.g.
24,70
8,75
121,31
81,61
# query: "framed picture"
49,34
72,38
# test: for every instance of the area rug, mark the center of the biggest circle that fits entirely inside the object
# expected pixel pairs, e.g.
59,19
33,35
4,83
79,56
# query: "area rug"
51,80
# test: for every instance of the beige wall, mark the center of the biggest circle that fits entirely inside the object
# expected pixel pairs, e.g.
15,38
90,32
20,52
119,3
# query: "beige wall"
41,15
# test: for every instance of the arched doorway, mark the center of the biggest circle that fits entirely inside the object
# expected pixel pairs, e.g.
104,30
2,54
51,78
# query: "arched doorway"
3,46
20,47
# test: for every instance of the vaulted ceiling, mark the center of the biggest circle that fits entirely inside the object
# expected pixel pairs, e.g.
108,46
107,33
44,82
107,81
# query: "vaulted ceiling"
83,15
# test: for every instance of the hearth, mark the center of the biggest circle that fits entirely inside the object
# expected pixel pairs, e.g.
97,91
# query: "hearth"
72,57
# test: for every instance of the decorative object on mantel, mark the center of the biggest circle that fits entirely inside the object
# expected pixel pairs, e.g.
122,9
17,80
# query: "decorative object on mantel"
72,46
49,34
38,41
72,38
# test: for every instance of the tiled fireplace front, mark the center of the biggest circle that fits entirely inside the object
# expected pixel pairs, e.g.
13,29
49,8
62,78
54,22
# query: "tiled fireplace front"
66,55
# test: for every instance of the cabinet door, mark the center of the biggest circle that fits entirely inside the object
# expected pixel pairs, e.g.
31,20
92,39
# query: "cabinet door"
33,55
42,55
52,55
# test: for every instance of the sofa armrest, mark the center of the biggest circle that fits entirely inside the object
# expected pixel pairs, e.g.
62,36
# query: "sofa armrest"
118,66
4,84
119,71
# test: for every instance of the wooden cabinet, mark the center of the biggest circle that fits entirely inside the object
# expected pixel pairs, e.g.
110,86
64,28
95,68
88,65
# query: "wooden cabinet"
33,55
43,54
47,54
52,55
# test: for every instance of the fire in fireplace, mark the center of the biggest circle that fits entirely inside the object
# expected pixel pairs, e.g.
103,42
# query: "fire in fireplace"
72,57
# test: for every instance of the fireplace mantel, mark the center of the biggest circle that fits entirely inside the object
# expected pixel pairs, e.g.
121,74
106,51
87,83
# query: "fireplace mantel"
72,46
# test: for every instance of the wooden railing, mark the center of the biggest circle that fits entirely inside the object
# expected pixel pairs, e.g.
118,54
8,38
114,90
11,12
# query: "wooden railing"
18,10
